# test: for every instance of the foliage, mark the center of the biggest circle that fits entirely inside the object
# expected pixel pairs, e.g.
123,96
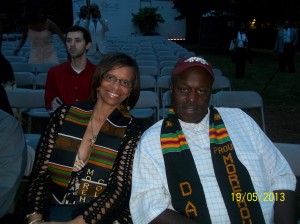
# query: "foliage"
147,20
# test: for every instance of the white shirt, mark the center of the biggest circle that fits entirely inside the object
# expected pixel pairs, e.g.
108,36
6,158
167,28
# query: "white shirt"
268,169
286,35
241,38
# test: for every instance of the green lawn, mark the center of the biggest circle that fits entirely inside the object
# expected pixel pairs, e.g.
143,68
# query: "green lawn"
276,89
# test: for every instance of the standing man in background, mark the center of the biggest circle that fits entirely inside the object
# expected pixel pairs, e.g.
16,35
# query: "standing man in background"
241,52
286,41
69,82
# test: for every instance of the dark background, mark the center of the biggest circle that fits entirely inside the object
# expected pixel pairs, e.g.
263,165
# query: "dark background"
209,23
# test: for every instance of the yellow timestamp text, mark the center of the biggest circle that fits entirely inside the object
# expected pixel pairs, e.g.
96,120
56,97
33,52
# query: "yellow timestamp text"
254,196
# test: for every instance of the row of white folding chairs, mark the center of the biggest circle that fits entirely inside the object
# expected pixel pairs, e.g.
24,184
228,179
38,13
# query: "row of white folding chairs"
34,68
29,101
233,99
30,80
165,70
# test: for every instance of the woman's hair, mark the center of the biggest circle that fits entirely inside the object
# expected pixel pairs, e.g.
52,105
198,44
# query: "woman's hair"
112,61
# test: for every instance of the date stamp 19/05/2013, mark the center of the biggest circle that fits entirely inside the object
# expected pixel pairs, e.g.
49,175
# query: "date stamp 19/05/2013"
254,196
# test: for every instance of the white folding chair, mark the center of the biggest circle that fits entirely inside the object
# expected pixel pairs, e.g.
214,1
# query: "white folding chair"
221,83
168,58
244,100
291,153
148,83
166,103
13,59
165,53
9,52
147,63
217,72
166,71
167,63
145,48
23,67
44,67
112,49
140,57
41,79
25,99
148,70
147,106
163,84
25,80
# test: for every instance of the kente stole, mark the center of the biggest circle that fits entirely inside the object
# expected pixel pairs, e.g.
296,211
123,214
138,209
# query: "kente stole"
94,176
185,187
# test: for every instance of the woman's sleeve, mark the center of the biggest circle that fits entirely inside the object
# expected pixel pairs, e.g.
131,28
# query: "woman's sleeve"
39,185
113,203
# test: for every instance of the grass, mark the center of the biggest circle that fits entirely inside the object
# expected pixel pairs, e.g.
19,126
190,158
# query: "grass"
276,88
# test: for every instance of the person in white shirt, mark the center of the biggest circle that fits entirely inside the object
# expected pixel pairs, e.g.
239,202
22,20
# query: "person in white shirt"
241,52
98,26
83,18
208,165
285,45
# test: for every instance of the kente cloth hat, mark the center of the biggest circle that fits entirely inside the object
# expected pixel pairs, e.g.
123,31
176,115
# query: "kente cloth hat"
194,61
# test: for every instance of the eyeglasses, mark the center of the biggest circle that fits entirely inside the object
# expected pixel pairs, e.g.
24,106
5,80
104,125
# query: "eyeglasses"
112,79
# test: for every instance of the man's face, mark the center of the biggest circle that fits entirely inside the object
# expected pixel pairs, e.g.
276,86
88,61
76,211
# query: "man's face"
190,94
76,44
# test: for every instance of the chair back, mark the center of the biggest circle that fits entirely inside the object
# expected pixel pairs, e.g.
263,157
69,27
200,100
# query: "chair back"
25,79
148,83
221,83
147,106
246,100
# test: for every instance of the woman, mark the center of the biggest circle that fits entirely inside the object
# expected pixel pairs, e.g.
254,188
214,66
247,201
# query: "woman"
82,169
38,30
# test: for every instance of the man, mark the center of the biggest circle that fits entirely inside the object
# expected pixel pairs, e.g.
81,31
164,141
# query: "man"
208,165
98,26
241,52
13,160
69,82
285,45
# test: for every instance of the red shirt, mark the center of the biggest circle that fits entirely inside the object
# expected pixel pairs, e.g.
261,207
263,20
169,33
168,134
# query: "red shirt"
65,83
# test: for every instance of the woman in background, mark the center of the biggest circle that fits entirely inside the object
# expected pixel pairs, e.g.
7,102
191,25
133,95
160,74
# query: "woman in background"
38,29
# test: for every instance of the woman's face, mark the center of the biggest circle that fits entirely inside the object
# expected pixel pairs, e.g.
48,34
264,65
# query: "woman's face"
116,86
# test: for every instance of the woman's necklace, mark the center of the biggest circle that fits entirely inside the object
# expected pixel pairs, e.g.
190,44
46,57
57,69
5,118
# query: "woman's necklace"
92,140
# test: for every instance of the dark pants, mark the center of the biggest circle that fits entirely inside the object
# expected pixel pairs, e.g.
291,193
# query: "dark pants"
287,58
240,62
61,213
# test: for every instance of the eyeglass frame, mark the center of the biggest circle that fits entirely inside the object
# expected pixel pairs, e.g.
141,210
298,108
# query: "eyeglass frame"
114,79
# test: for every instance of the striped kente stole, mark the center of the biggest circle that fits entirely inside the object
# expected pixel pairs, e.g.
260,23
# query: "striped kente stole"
94,176
186,190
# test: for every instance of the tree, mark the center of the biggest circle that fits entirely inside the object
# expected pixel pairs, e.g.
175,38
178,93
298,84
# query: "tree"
244,10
